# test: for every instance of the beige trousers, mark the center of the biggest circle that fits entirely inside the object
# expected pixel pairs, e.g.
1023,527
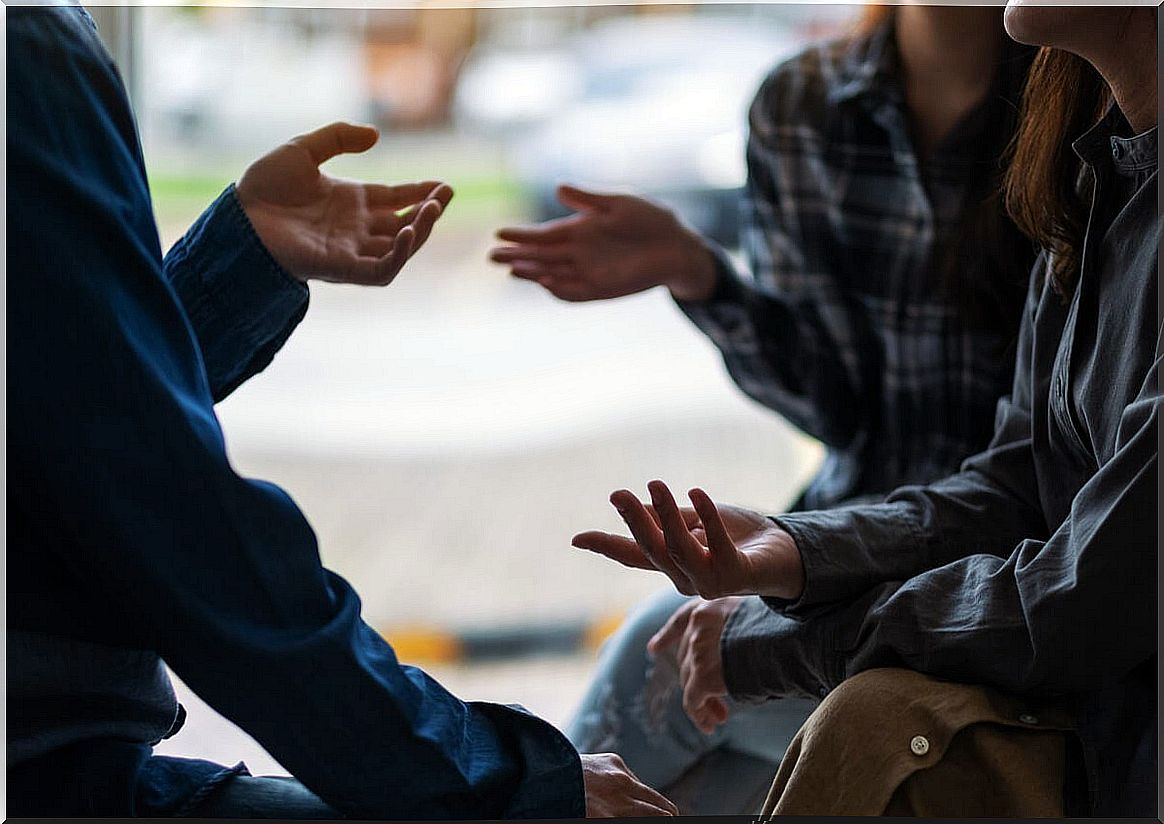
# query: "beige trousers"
896,742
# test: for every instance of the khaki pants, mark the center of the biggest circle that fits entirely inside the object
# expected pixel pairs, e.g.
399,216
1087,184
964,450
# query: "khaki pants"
896,742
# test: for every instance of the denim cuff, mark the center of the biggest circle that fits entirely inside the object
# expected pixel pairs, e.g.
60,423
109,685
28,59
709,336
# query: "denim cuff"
551,784
241,303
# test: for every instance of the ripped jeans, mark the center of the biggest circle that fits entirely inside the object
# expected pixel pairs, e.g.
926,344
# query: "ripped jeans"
633,707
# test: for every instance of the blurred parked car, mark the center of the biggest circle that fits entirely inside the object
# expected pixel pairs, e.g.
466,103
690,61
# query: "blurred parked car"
654,105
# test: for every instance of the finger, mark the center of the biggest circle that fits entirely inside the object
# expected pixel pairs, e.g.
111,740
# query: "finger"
336,138
538,271
426,218
719,543
543,253
673,630
376,246
644,795
380,196
699,696
661,808
682,547
552,231
582,200
382,271
650,537
615,547
690,516
387,223
709,714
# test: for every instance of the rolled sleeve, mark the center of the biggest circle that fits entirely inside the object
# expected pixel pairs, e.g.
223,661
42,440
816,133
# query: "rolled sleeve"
241,303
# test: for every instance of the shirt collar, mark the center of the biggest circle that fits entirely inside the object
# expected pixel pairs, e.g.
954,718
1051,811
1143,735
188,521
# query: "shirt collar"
868,65
1104,143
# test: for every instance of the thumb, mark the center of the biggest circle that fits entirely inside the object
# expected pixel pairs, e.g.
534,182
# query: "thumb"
672,631
581,200
337,138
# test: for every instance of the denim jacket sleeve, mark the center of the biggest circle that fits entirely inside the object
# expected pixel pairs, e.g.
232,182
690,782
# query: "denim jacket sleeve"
241,303
115,441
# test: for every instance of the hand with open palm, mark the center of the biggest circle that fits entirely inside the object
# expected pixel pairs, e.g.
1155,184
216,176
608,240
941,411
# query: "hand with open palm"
321,227
711,550
613,245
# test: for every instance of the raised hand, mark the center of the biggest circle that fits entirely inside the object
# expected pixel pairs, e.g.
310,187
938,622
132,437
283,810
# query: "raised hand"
695,629
709,550
326,228
613,245
613,791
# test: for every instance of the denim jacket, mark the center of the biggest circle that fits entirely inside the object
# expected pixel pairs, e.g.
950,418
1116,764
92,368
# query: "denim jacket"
133,542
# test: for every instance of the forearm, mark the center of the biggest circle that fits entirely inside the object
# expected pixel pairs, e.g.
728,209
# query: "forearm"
240,302
779,351
373,738
1012,622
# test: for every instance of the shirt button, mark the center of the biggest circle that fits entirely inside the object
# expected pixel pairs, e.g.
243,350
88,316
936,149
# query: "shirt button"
1028,719
824,691
919,745
1117,149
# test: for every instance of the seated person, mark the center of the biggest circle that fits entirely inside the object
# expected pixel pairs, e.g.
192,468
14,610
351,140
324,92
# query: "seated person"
887,284
132,541
1032,572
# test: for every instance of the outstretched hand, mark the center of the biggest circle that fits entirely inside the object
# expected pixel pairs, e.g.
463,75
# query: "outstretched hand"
327,228
613,245
709,550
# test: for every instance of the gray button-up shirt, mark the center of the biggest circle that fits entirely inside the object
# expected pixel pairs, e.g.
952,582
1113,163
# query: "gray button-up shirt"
1034,568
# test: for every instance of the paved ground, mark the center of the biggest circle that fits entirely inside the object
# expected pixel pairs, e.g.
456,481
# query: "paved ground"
448,435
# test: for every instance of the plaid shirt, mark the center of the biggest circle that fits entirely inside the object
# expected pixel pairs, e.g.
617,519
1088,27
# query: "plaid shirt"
845,326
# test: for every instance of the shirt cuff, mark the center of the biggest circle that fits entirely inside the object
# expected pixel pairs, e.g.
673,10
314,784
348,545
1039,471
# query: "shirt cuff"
240,302
839,549
767,655
724,309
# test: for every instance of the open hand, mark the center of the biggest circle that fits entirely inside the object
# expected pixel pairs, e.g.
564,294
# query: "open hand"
696,629
614,245
613,791
710,550
328,228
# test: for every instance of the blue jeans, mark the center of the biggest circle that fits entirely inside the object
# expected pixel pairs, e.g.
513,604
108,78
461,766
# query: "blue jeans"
247,796
634,707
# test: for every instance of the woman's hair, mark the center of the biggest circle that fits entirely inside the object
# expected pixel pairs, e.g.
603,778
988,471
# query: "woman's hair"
1044,193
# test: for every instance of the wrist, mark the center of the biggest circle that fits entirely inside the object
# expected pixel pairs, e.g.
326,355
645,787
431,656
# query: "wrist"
779,572
697,270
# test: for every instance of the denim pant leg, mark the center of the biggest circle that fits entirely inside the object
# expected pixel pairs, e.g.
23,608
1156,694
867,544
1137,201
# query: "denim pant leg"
246,796
634,707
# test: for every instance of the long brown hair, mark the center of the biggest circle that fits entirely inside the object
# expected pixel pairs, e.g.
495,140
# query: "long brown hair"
1044,192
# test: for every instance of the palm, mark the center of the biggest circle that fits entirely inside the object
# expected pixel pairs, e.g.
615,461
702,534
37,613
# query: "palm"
317,226
708,550
614,245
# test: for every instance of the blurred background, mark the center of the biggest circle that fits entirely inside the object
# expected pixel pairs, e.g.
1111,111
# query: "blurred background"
447,436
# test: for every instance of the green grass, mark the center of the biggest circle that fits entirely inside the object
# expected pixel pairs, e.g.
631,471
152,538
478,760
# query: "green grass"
180,197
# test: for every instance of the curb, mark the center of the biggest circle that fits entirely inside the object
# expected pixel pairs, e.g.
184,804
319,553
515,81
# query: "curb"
500,643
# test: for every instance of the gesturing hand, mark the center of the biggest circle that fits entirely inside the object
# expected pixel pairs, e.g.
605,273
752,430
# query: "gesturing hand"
614,245
328,228
696,629
711,550
613,791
